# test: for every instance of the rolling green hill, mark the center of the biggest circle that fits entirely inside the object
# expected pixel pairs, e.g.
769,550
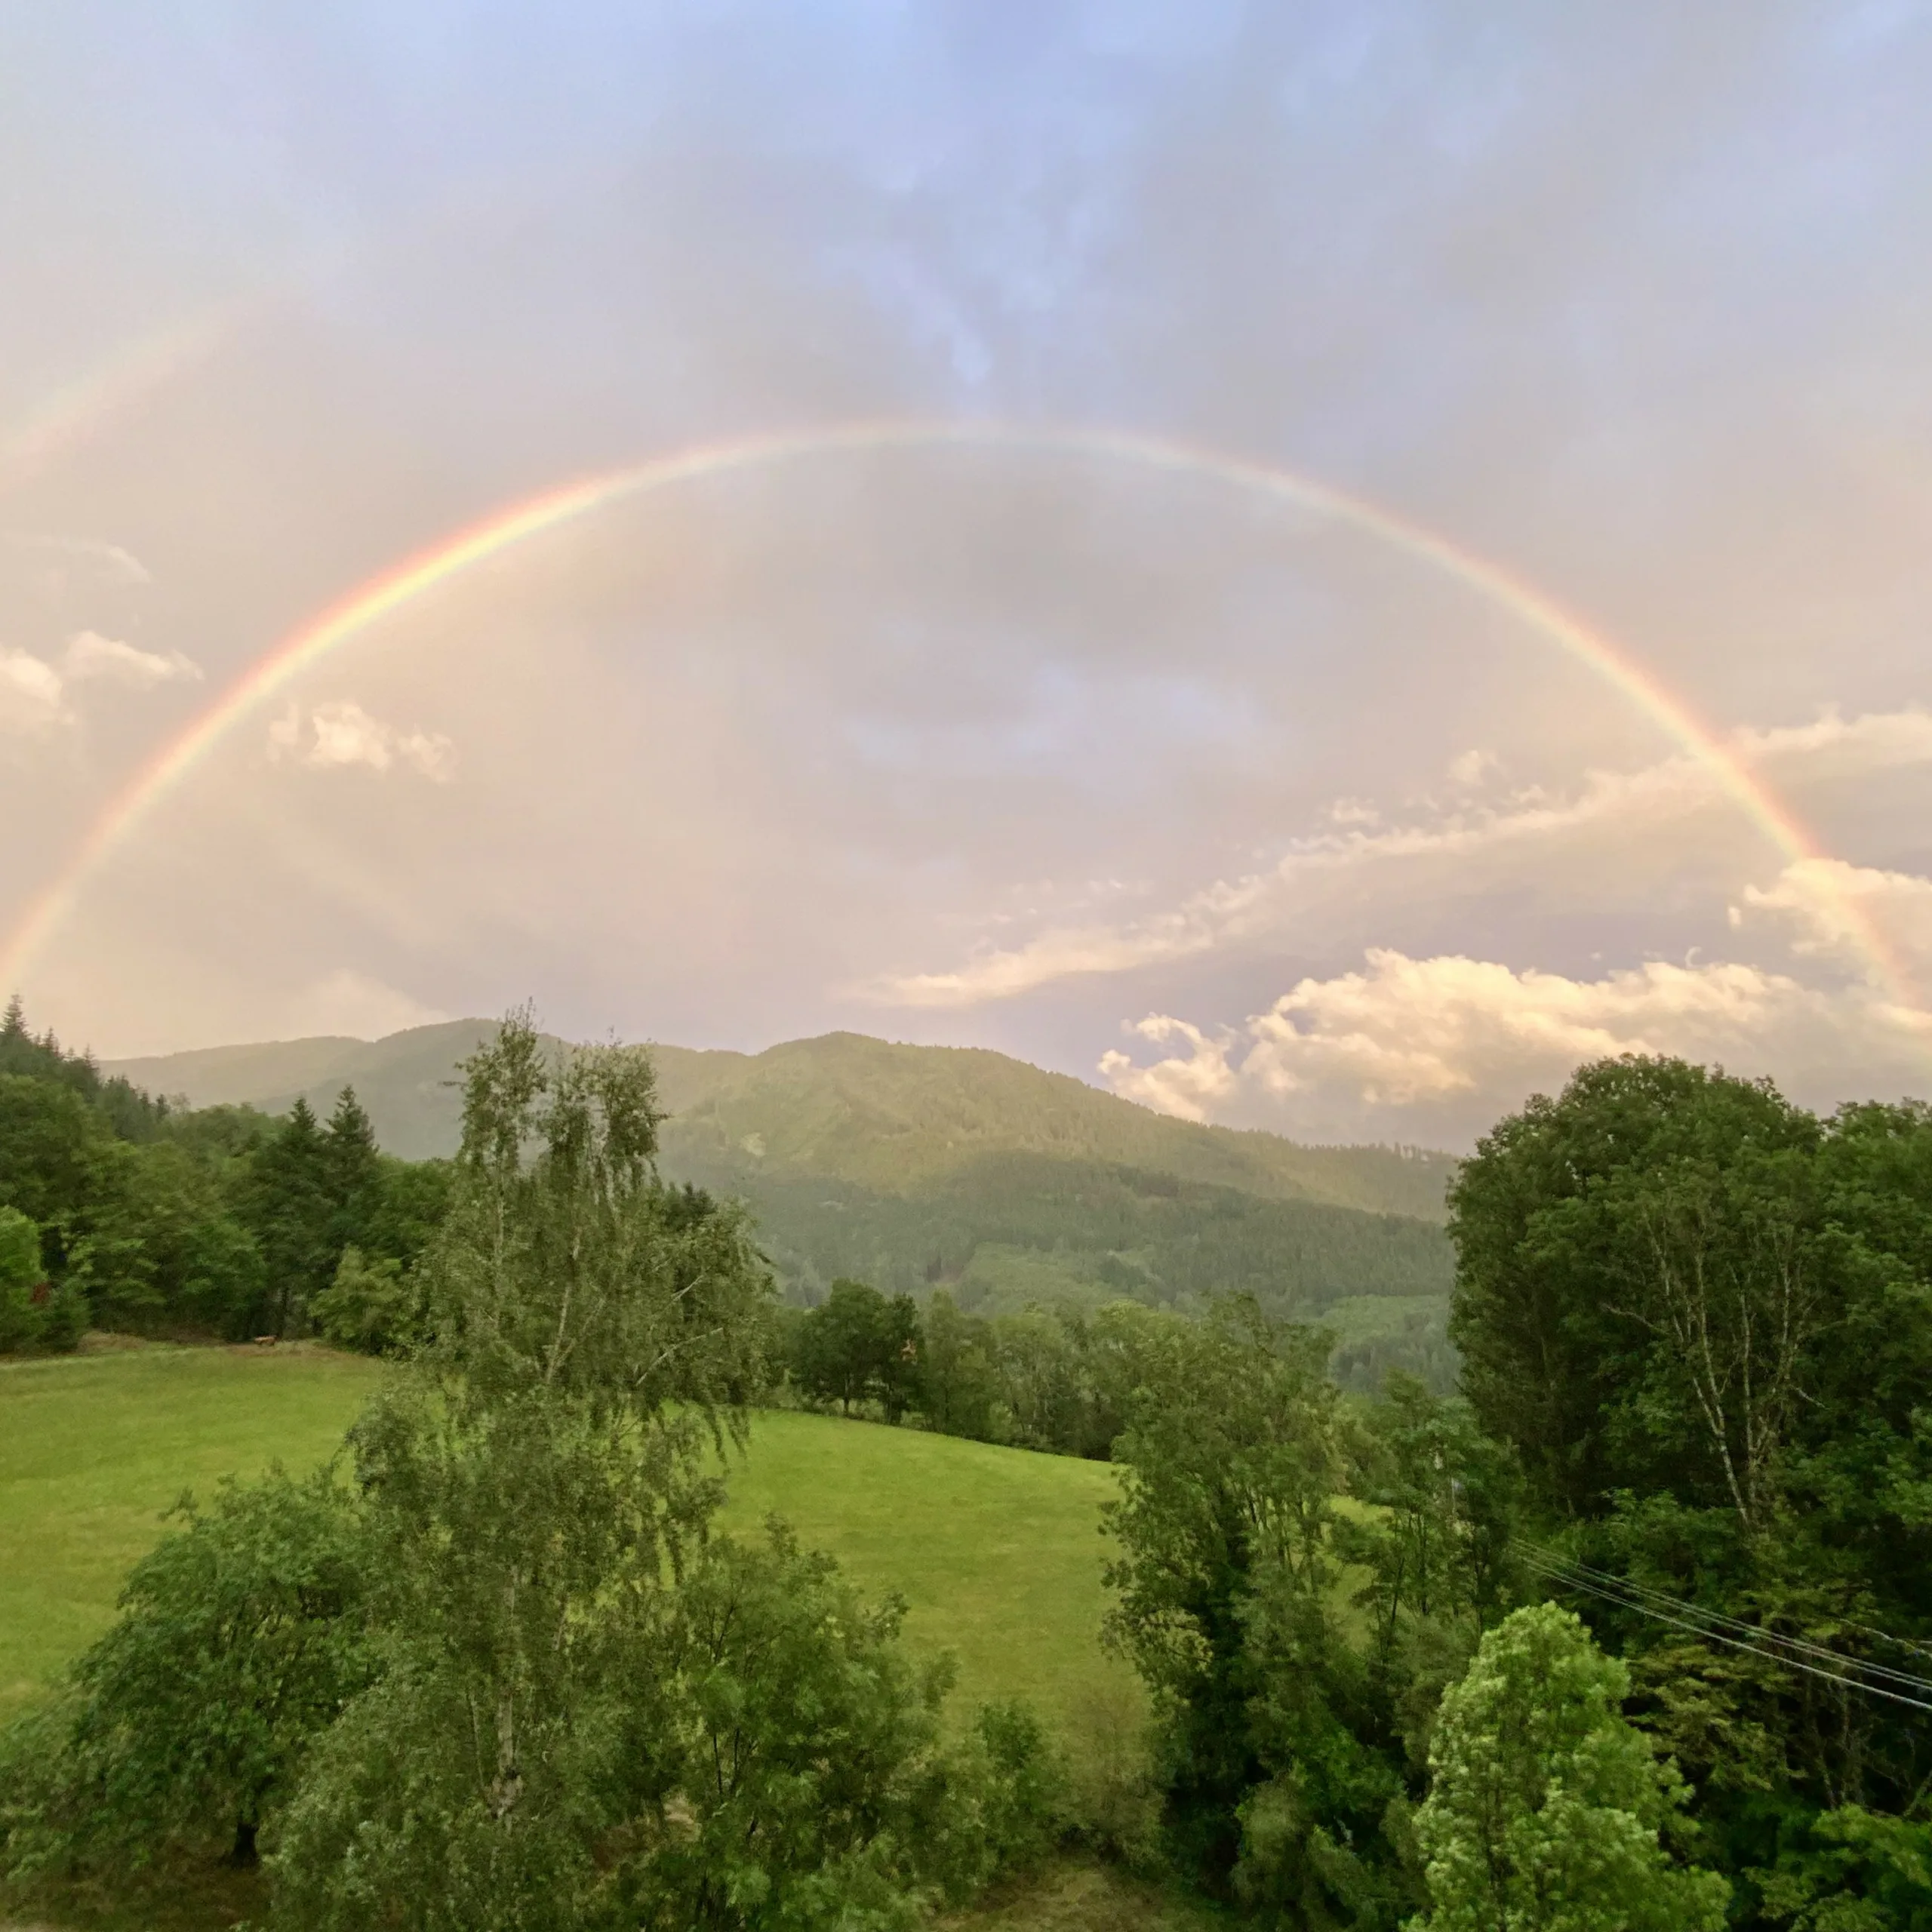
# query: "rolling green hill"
910,1166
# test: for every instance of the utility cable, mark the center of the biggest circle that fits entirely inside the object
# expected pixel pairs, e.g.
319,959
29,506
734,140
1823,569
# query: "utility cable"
1557,1575
1756,1630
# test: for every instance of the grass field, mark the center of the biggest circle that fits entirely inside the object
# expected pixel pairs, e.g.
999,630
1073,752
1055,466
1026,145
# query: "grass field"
996,1551
94,1447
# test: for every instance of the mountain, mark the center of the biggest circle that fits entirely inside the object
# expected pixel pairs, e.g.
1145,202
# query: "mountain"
879,1114
912,1166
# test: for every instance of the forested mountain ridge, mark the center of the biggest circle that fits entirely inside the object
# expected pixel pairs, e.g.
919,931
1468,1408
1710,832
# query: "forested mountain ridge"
886,1118
912,1167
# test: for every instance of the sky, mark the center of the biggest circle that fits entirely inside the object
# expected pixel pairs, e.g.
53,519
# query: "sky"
1100,494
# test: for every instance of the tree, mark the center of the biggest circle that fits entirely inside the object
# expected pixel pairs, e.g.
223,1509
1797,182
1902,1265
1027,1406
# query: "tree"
958,1387
1698,1315
368,1306
747,1818
1545,1805
537,1480
291,1211
1581,1226
239,1640
24,1289
1231,1464
857,1346
352,1175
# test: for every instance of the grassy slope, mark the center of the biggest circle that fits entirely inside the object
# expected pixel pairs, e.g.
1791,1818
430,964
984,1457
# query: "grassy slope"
996,1551
93,1448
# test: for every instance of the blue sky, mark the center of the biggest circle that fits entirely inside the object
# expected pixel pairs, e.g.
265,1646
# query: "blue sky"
1636,299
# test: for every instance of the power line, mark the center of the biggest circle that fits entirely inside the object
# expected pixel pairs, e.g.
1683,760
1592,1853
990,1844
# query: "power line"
1756,1631
1557,1573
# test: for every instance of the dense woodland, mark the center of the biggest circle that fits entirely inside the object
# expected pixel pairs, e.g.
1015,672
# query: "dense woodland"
1634,1632
120,1211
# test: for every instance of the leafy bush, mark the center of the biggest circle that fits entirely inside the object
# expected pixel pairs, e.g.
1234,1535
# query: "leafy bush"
240,1640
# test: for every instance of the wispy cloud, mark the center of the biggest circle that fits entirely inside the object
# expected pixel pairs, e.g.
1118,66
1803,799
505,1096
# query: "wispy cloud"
90,655
122,565
336,736
1525,820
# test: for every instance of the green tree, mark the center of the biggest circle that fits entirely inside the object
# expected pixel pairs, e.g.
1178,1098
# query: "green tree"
537,1476
291,1210
858,1346
368,1306
352,1171
23,1282
239,1640
1699,1314
958,1385
1231,1462
1545,1806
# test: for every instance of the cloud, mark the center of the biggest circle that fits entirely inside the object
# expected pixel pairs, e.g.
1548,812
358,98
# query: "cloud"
89,655
1439,1048
1832,904
31,695
1524,826
123,565
335,735
347,1001
1471,768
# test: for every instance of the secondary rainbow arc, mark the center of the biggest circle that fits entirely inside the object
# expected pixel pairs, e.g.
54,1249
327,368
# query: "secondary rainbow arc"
396,588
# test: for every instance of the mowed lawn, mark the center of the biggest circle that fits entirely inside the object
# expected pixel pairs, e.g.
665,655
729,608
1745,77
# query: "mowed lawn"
997,1551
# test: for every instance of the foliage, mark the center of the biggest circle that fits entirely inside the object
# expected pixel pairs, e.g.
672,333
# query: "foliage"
238,1642
369,1305
741,1815
959,1387
1545,1804
1851,1871
1702,1317
856,1347
590,1712
33,1312
155,1220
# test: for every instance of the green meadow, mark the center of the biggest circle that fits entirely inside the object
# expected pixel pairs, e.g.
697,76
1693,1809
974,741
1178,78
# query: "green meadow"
997,1552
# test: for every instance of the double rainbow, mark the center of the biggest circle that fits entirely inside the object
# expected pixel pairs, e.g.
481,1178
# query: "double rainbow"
418,575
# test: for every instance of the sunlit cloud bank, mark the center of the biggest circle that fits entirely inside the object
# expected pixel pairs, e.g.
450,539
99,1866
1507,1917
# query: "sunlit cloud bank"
1431,1049
335,736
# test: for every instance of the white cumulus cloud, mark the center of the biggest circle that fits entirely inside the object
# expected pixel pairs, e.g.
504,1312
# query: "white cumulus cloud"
341,733
1437,1048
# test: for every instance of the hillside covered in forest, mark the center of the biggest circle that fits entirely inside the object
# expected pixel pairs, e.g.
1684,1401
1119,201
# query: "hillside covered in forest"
912,1166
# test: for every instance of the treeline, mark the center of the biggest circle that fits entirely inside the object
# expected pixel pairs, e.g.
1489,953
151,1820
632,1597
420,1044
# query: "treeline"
118,1210
1055,1381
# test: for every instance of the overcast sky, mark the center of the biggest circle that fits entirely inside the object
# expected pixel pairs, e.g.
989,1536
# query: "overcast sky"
1136,773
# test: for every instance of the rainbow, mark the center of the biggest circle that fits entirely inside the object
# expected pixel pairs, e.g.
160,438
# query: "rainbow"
503,529
79,409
